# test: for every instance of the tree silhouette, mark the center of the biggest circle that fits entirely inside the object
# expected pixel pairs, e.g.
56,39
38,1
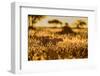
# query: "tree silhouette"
80,23
34,19
55,21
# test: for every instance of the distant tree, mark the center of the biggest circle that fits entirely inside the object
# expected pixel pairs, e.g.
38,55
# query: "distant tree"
55,21
80,23
34,19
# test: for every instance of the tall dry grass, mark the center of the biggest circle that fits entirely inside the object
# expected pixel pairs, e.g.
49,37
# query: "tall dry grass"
49,44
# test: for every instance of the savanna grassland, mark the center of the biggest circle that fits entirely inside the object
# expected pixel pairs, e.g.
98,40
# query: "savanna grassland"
51,43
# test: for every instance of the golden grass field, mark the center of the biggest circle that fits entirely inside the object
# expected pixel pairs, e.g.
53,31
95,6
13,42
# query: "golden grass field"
48,43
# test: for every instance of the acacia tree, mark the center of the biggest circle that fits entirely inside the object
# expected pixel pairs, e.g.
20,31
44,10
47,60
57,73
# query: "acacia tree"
80,23
55,21
34,19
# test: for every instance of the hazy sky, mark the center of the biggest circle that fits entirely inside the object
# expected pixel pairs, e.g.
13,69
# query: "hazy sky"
69,19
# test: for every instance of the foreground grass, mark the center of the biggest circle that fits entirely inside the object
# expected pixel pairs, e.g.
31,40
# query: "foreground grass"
49,44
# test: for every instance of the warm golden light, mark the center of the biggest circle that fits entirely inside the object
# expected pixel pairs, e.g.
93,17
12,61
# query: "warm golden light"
57,37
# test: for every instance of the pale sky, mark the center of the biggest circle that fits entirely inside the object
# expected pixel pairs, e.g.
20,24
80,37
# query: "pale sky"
70,20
